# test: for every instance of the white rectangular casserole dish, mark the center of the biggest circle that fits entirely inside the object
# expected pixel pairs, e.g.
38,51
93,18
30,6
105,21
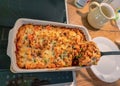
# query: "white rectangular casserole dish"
12,47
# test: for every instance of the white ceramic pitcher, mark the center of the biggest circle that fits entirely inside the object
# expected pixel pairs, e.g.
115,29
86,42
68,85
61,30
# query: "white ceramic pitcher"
99,14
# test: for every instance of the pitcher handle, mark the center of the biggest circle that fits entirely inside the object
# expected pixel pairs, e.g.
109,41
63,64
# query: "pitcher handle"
93,5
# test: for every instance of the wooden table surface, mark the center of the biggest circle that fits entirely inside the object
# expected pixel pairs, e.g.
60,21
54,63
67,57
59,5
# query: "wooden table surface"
85,77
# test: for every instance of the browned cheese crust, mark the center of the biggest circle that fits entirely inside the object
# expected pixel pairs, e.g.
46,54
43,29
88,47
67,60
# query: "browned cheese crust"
39,46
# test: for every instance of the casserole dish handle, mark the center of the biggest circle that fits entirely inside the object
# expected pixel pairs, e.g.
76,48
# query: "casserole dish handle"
9,47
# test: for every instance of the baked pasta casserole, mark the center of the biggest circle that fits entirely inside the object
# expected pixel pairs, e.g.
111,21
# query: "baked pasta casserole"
39,46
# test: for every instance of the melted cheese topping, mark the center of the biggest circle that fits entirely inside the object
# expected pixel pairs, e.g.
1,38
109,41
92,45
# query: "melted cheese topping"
48,46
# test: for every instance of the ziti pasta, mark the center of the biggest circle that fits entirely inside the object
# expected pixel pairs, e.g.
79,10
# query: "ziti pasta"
39,46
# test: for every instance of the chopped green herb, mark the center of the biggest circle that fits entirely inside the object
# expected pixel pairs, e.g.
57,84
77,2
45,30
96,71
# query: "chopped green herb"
73,47
25,37
80,65
46,60
53,53
53,42
81,49
34,60
80,55
94,62
66,65
63,55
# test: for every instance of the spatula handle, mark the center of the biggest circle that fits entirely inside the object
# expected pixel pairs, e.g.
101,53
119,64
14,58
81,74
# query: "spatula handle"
110,53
